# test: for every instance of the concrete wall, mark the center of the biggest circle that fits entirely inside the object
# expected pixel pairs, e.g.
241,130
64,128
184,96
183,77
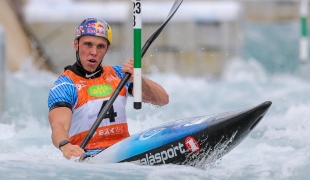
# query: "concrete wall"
19,46
272,10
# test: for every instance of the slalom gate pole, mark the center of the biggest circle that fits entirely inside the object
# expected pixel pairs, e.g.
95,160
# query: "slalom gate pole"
137,39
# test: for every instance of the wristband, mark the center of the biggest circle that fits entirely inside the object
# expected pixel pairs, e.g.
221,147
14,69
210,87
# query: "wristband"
62,143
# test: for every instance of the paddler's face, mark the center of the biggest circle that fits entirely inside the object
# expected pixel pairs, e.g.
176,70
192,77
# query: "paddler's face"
91,51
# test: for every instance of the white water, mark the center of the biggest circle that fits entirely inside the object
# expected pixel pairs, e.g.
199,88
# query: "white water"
278,148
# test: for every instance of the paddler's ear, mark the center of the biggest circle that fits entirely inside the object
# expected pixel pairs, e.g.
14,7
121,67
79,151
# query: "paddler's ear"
76,44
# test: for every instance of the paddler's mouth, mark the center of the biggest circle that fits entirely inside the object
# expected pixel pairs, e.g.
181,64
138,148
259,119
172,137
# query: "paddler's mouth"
92,61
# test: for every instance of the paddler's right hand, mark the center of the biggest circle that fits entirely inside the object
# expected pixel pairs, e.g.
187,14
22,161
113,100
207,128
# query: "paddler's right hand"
70,150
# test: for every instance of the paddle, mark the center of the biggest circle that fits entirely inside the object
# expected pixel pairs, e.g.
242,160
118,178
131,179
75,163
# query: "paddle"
108,105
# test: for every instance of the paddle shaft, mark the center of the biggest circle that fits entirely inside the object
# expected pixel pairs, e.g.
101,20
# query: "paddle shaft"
123,82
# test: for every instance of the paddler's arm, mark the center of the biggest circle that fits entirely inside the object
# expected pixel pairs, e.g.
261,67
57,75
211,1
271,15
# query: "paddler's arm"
151,91
60,121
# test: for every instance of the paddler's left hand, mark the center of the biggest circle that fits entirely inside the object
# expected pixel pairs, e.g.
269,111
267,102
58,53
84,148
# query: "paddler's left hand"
128,68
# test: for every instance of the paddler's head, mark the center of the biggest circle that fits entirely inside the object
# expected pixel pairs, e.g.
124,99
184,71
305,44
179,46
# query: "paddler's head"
93,38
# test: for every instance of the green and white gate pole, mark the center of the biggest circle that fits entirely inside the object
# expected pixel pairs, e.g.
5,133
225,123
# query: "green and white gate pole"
303,53
137,40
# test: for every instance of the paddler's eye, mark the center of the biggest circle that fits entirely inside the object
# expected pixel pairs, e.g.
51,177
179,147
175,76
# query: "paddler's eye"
88,44
101,46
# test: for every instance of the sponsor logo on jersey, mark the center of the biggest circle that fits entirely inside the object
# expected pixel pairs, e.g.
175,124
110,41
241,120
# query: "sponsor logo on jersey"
100,90
92,74
80,86
109,131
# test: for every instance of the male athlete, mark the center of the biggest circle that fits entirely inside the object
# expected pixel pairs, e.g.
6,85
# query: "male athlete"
85,87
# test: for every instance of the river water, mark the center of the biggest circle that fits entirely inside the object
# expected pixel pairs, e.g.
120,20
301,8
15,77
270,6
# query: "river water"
278,147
